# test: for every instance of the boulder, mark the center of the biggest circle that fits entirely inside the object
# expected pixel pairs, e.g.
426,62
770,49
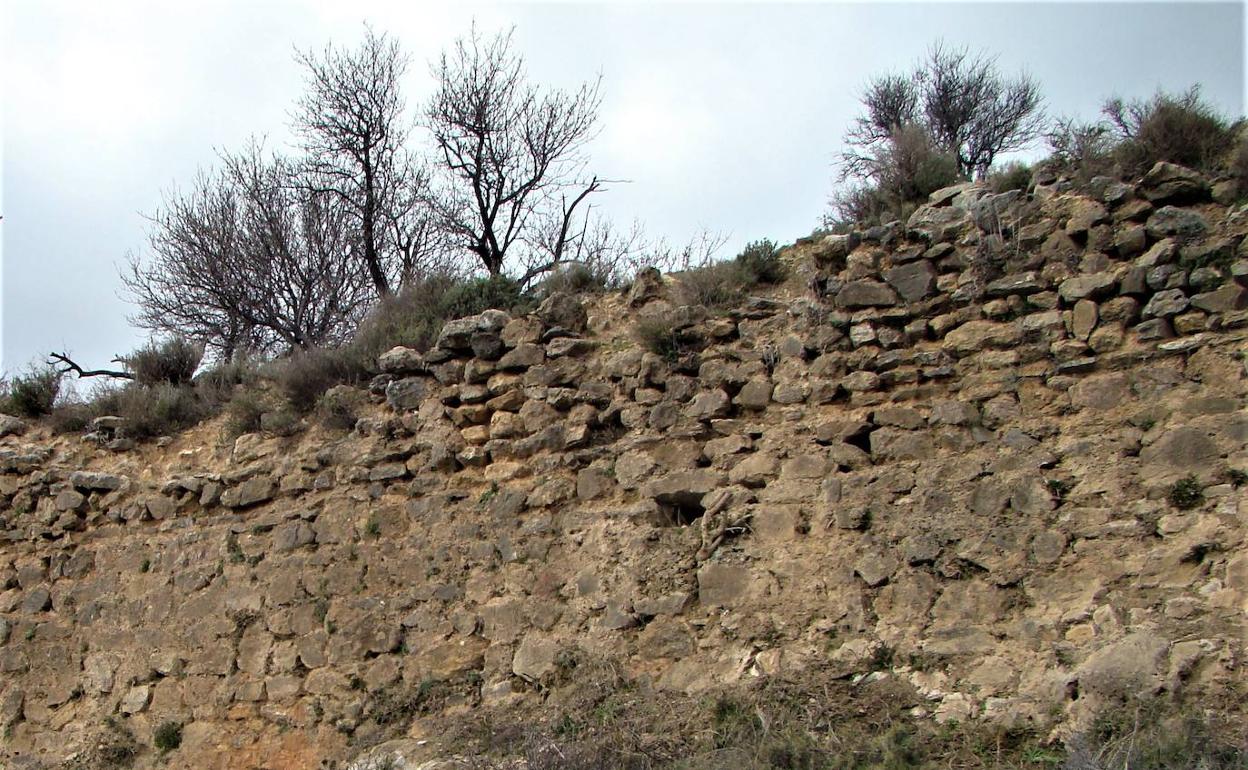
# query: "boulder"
1017,283
1092,286
105,482
1172,183
563,310
1165,304
648,285
1084,215
1172,222
937,223
913,281
974,336
458,335
407,394
865,293
11,426
400,360
1128,668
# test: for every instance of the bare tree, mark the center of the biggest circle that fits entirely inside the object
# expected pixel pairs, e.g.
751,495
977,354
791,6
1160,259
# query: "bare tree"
510,155
963,102
251,259
354,129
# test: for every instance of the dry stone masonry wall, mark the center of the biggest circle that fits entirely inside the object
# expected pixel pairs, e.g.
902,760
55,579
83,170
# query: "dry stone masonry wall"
947,455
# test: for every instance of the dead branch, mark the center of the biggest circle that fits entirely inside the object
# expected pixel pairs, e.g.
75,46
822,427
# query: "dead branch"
60,360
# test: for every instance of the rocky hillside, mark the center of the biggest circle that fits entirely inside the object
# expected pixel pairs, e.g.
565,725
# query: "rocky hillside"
993,457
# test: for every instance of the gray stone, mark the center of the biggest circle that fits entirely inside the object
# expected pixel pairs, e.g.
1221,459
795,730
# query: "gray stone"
95,481
684,487
1180,449
1018,283
1227,298
400,360
1181,224
709,405
11,426
722,585
564,310
292,535
1128,668
913,281
1165,304
865,293
1172,183
251,492
534,658
755,395
1094,286
407,394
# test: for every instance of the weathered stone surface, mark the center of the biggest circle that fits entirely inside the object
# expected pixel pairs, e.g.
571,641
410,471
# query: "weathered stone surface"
912,281
1165,304
1172,222
1181,449
1130,667
251,492
974,336
1018,283
95,481
401,361
1227,298
534,658
11,426
407,394
684,487
865,293
1172,183
722,585
1094,286
564,310
1084,215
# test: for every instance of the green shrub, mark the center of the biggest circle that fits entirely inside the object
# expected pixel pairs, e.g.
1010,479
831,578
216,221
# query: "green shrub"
338,408
1178,128
415,317
168,736
658,336
1238,164
574,278
1082,150
760,262
718,286
496,292
1187,493
1011,176
243,413
172,361
900,174
72,417
31,394
305,375
216,385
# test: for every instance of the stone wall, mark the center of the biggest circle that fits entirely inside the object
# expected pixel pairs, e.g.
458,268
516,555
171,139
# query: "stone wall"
946,453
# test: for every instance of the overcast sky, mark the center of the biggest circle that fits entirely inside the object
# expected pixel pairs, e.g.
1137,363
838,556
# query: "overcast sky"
726,117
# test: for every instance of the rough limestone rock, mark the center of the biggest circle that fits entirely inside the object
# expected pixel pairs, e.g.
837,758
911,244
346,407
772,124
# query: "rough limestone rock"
912,281
865,293
1173,222
1130,667
400,361
563,310
1172,183
11,426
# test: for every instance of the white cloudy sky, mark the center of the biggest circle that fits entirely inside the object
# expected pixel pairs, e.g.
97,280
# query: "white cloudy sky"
724,116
